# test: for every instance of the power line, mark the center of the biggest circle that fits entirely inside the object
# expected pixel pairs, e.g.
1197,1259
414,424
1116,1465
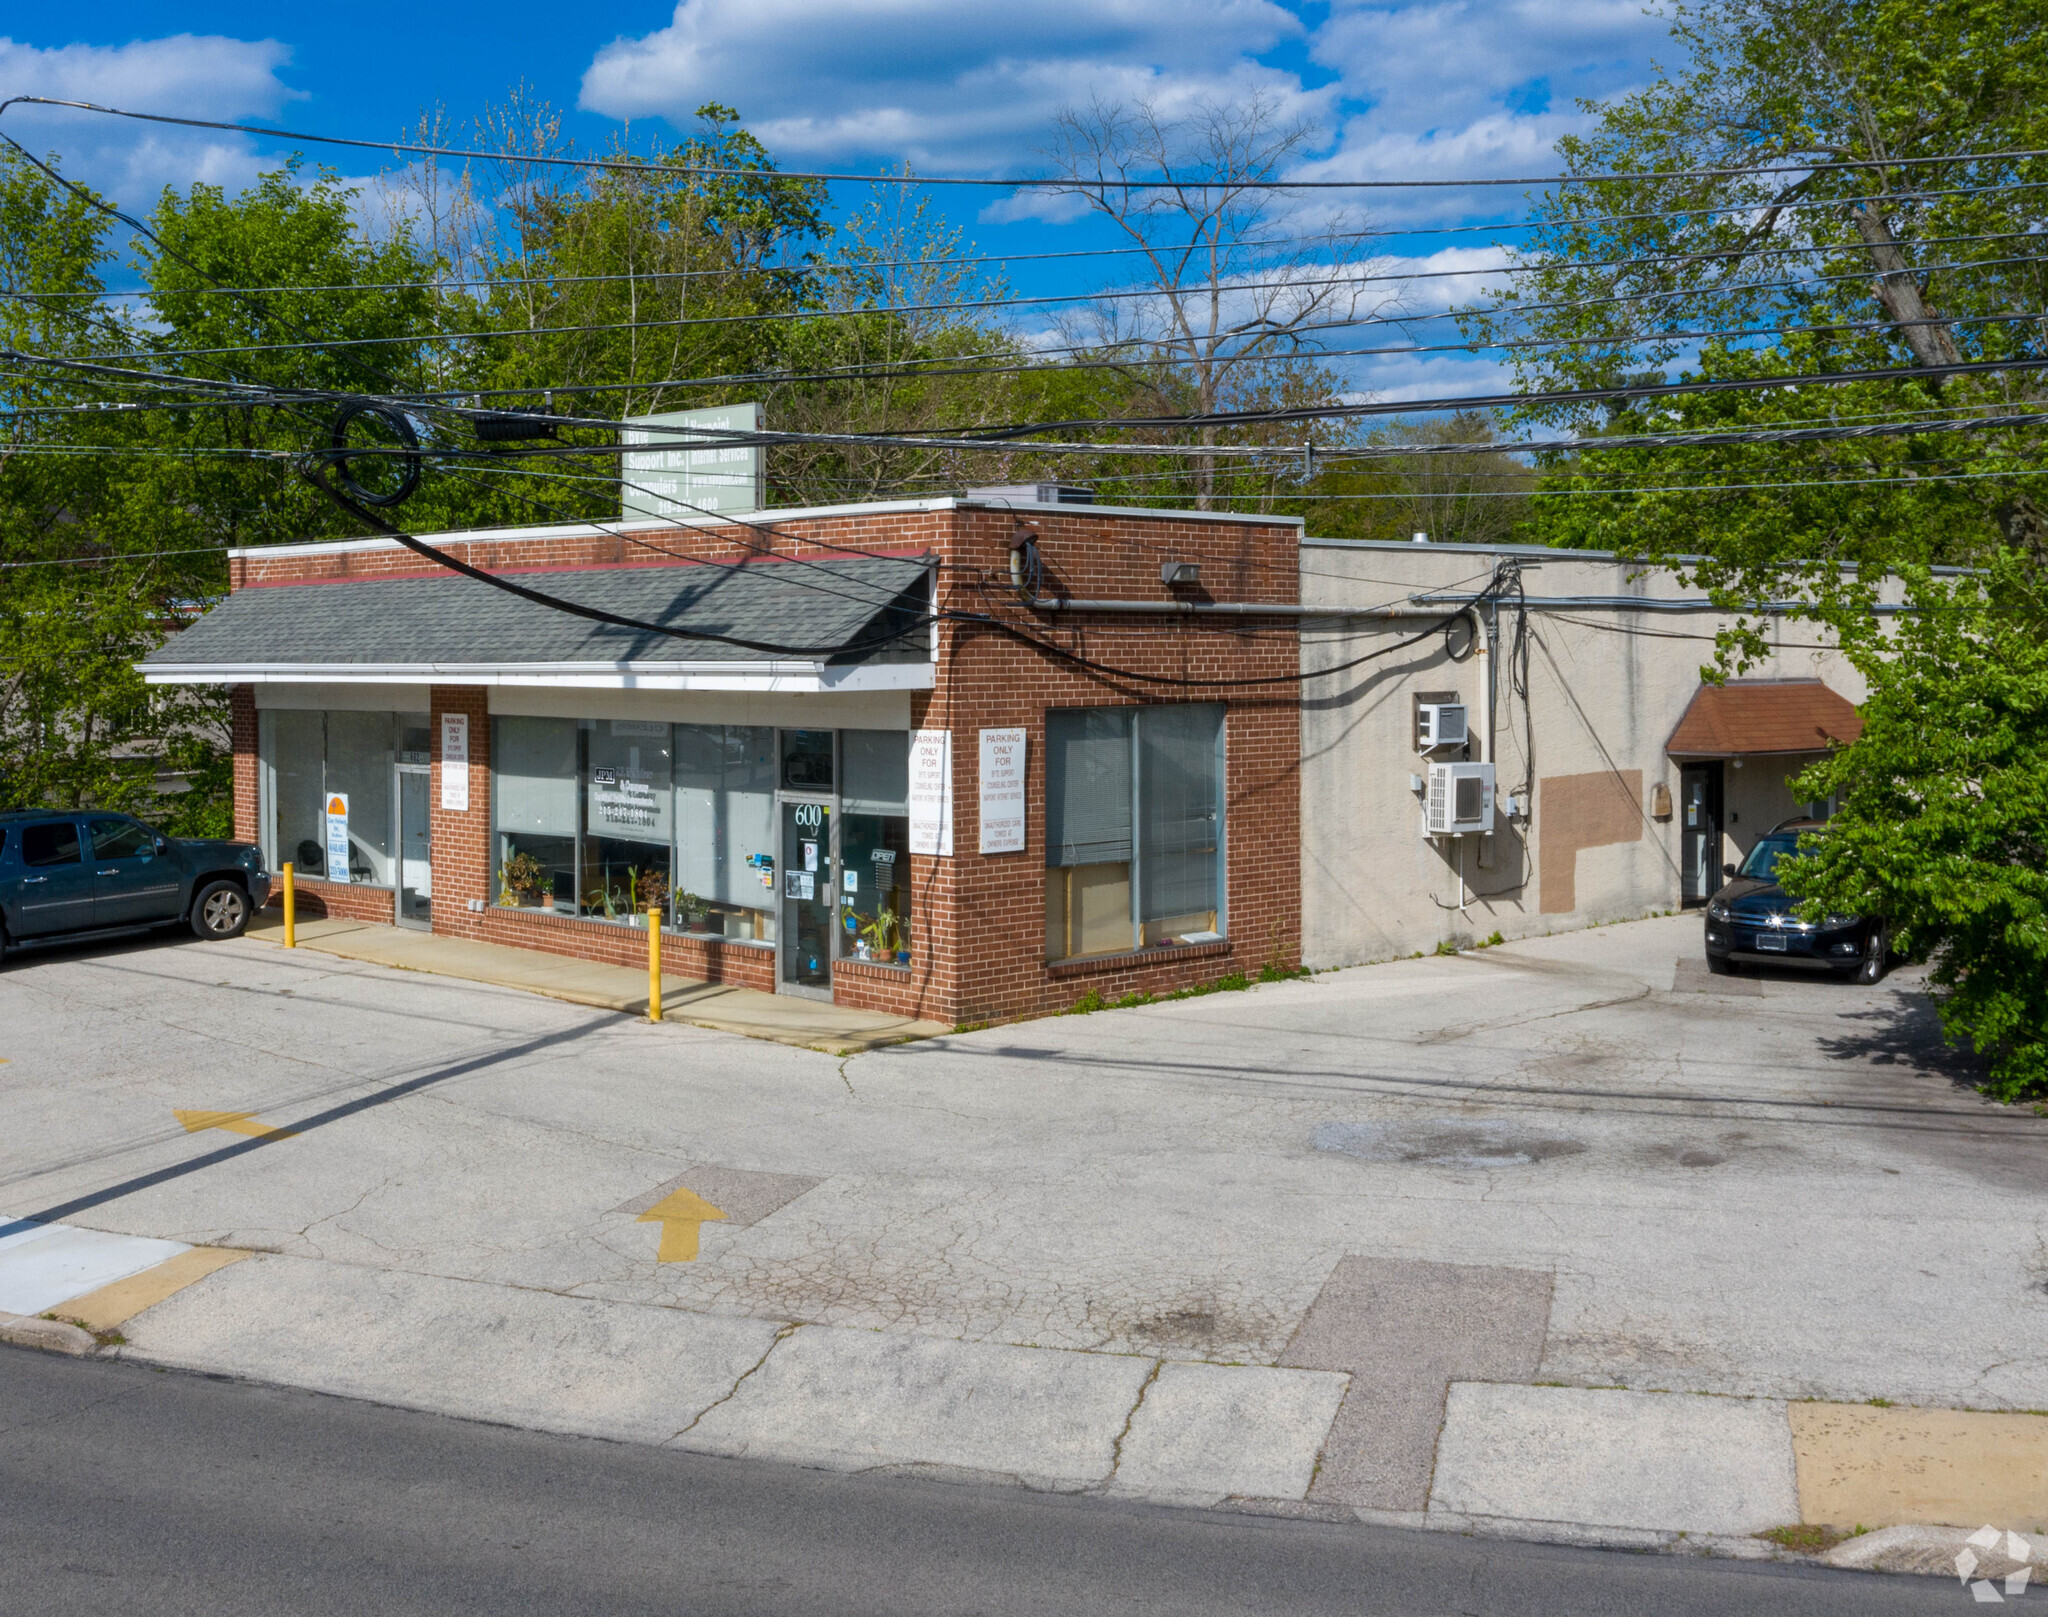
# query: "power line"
1041,182
1014,439
1138,294
1548,267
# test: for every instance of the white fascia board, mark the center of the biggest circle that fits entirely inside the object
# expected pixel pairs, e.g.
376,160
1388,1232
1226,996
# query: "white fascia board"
876,508
794,678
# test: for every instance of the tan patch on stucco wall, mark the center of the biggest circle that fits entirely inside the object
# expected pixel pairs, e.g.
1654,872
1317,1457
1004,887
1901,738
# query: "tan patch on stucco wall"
1582,811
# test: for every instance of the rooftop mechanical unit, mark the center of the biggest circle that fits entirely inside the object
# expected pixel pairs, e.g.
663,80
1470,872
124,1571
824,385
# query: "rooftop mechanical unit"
1460,800
1439,724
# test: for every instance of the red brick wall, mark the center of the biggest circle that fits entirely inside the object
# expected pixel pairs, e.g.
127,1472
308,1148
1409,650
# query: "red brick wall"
977,923
337,900
248,798
462,837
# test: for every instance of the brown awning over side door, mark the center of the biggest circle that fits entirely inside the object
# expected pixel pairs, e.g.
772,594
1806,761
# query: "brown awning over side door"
1749,716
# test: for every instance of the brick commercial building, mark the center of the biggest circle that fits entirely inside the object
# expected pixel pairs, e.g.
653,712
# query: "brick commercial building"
903,788
967,759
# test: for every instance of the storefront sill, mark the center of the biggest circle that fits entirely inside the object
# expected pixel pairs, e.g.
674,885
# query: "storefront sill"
871,968
1090,964
668,933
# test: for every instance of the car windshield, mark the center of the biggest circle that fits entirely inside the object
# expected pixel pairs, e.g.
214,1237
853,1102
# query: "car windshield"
1762,862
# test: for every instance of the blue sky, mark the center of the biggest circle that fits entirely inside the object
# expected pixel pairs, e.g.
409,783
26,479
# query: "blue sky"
1432,89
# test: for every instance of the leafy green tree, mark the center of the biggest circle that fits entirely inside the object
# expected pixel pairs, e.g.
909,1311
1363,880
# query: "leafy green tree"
1896,230
117,499
1854,213
1943,818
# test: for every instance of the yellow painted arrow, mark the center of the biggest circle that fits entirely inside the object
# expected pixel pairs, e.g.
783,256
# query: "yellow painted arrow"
234,1123
679,1215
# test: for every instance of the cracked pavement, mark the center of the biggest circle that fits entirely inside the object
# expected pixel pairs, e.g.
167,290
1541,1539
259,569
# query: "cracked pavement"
1784,1194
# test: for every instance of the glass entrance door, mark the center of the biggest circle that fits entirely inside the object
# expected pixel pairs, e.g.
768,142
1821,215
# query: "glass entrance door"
1699,791
415,847
810,904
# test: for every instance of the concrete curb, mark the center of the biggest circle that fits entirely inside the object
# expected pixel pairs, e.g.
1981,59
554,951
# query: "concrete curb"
1932,1552
50,1335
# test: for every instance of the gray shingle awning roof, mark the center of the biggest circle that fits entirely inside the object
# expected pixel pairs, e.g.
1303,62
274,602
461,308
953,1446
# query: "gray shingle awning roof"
446,620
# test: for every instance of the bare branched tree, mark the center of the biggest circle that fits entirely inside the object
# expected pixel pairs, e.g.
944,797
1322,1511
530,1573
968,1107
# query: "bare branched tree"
1241,289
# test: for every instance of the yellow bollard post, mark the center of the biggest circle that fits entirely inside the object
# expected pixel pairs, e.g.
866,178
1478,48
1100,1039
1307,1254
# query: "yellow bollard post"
654,962
291,937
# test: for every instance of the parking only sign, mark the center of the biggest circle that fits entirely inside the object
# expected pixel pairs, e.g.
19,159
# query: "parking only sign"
337,836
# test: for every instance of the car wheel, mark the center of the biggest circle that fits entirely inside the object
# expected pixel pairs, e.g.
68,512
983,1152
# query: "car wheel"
1720,965
220,911
1872,969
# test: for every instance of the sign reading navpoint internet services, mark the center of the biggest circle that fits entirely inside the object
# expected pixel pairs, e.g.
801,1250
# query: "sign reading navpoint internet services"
337,836
1002,791
931,792
455,762
690,474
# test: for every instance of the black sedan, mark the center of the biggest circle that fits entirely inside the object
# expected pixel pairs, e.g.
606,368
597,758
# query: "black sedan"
1752,919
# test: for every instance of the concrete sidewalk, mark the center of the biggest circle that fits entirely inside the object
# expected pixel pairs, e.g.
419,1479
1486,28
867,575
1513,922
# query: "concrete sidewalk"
1727,1476
784,1018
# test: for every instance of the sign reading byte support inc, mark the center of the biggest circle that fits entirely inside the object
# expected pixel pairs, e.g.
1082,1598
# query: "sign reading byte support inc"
1002,791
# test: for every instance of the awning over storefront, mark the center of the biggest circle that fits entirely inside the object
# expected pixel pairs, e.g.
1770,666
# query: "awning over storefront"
1746,717
827,625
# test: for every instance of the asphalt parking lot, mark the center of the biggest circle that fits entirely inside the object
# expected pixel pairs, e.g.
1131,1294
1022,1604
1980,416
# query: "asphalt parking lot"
1440,1193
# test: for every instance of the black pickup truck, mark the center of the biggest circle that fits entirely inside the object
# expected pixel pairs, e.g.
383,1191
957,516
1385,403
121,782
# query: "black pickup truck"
66,875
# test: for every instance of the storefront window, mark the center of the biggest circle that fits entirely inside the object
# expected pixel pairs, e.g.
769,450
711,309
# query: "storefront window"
629,818
316,758
725,830
1157,771
807,760
295,747
874,844
535,779
359,760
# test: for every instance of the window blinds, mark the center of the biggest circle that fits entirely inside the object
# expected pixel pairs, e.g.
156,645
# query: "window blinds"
1088,786
536,776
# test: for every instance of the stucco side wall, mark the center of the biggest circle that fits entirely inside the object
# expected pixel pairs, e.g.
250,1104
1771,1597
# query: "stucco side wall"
1606,687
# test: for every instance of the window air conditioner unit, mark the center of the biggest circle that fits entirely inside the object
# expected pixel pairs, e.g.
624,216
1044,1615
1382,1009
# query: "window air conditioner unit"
1439,724
1460,799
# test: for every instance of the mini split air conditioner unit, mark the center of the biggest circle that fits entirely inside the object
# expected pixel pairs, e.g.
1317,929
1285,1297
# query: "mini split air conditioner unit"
1439,724
1460,800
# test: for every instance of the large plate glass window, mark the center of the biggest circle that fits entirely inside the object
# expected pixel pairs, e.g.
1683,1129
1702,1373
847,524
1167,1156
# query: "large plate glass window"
315,758
1134,828
629,818
874,844
725,830
534,773
296,750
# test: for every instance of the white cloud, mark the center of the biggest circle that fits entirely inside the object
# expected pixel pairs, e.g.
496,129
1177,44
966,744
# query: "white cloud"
943,86
188,75
1434,89
1446,89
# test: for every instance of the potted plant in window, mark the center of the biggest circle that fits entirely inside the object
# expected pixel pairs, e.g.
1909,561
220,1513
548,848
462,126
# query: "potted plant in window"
520,879
650,892
880,935
694,911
